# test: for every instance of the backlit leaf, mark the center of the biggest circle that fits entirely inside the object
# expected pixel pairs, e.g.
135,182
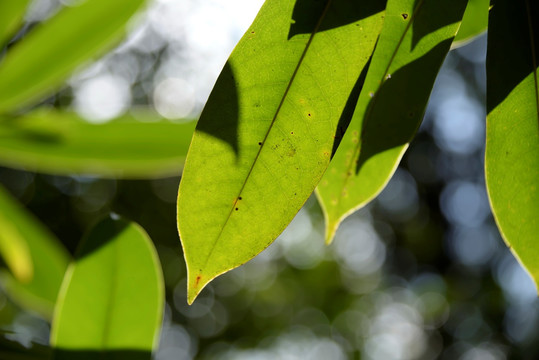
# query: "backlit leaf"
11,16
47,258
269,128
512,153
131,146
112,297
37,65
414,41
474,22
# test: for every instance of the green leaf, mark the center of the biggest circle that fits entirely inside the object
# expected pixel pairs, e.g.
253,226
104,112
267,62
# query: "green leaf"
47,258
413,44
37,65
11,16
112,297
512,152
268,130
62,143
474,22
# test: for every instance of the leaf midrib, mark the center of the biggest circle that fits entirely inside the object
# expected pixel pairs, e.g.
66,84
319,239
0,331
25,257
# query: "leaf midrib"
285,94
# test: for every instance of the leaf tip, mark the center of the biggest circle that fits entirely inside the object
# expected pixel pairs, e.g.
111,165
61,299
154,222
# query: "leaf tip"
196,283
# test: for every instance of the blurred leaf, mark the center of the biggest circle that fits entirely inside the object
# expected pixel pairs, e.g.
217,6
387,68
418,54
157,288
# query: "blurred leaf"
413,44
63,143
512,153
14,249
39,63
11,16
269,127
48,258
112,296
474,22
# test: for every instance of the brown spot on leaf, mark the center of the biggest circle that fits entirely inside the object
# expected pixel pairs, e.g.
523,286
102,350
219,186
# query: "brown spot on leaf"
198,280
404,16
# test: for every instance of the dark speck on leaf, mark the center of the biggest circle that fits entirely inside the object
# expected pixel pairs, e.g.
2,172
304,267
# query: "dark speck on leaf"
237,209
405,16
291,132
239,198
259,143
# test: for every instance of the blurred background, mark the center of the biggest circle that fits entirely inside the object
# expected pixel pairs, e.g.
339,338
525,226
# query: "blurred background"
420,273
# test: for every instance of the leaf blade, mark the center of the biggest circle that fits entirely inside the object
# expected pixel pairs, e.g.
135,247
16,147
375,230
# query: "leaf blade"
474,22
285,125
410,50
58,142
511,166
48,259
39,63
11,16
116,274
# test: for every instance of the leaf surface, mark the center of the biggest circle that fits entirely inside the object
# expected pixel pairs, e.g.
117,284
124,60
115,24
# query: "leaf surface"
63,143
112,296
38,64
11,16
414,41
47,259
512,151
474,22
268,130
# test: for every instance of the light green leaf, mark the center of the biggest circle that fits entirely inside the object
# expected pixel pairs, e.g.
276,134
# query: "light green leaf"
39,63
38,288
474,22
414,41
62,143
269,127
512,152
112,297
11,16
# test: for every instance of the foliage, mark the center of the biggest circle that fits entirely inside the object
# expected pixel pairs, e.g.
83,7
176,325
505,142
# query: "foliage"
312,85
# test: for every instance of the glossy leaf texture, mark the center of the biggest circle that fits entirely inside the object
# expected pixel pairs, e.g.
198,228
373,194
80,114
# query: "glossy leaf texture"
112,297
269,128
132,146
512,150
38,64
415,39
37,290
11,16
474,22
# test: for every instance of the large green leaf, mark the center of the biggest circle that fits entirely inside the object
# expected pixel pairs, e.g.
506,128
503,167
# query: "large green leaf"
112,297
414,41
269,127
11,15
474,22
512,153
62,143
40,62
47,258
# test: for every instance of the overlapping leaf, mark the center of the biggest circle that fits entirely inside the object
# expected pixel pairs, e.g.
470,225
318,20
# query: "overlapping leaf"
40,62
62,143
269,128
11,15
46,258
415,39
512,153
112,297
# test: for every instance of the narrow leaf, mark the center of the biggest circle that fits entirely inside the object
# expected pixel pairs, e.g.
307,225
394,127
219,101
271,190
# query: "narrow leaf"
11,16
47,258
512,152
62,143
39,63
268,130
414,41
474,22
112,297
